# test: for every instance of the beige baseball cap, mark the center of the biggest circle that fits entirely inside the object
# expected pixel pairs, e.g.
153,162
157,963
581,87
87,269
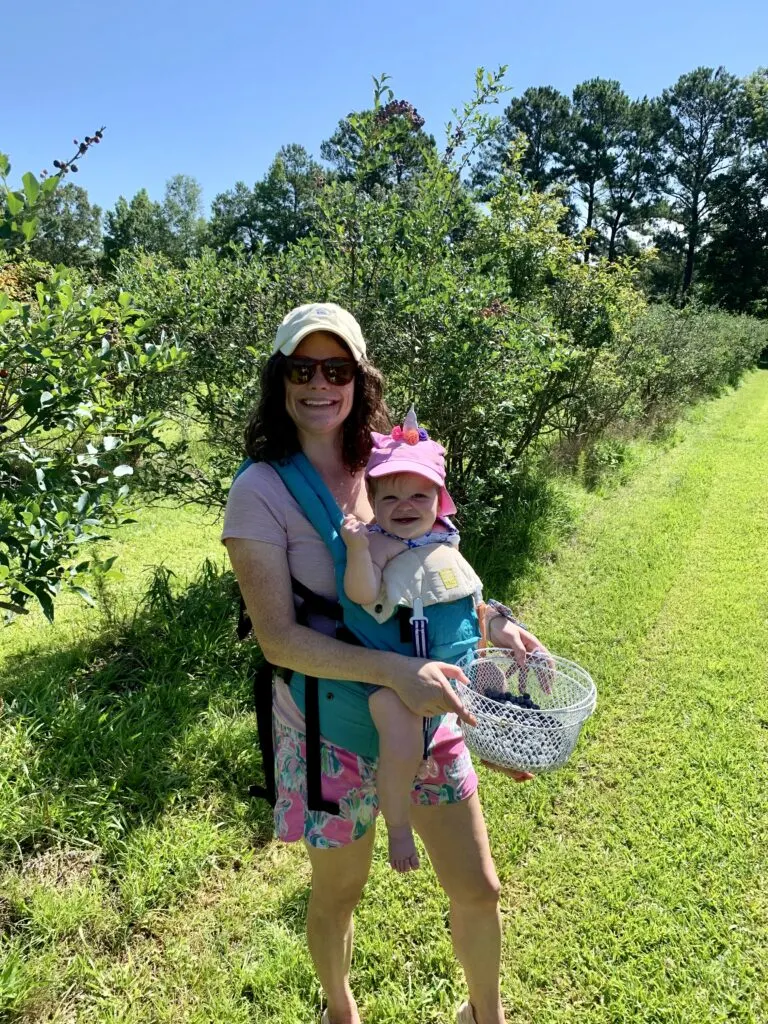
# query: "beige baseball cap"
319,316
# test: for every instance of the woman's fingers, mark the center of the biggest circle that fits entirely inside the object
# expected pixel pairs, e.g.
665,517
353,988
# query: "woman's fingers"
451,697
518,650
512,773
453,672
455,705
437,694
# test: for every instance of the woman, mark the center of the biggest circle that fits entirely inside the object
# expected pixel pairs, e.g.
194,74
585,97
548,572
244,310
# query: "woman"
322,398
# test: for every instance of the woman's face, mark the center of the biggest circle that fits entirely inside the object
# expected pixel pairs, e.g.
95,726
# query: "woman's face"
319,407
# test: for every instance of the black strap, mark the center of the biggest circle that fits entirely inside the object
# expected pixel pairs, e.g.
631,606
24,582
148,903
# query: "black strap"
315,604
404,621
312,604
315,801
262,699
244,626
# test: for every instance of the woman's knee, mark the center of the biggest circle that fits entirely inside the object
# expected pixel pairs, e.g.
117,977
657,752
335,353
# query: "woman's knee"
339,875
482,889
340,897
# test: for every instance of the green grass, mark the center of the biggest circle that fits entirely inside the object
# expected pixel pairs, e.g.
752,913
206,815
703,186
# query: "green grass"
141,886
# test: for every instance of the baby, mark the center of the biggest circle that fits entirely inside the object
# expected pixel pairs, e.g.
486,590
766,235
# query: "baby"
410,553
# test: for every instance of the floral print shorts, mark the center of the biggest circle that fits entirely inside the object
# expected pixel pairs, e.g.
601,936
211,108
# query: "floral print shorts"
446,777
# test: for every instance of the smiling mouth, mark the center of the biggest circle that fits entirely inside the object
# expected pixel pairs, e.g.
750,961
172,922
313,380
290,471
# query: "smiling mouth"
319,403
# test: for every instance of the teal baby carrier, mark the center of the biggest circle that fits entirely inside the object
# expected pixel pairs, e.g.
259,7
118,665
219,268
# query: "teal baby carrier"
336,708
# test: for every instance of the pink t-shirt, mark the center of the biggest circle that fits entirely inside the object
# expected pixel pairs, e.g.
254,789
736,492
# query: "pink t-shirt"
261,508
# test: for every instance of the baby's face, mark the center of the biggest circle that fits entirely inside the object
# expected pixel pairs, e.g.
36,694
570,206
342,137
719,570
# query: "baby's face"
405,504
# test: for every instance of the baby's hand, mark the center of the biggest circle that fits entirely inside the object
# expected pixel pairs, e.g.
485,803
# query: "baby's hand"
354,533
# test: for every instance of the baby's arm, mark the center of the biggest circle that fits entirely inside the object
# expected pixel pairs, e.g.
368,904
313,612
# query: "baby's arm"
362,577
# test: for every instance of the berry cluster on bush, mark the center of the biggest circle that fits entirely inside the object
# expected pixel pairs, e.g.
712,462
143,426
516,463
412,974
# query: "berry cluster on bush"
400,108
65,166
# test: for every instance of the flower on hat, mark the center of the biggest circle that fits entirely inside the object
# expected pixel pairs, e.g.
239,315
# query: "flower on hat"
410,432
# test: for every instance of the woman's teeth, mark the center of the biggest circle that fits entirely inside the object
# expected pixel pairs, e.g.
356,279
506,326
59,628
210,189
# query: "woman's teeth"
310,401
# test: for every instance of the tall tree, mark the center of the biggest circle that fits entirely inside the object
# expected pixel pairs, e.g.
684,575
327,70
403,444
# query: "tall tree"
70,228
633,173
600,115
235,218
354,153
734,269
174,227
182,212
734,264
542,115
701,137
287,196
138,224
277,211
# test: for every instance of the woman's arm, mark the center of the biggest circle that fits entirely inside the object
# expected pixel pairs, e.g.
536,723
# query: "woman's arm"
265,583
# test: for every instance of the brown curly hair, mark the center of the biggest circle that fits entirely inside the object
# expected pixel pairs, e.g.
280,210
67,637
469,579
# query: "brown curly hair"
271,433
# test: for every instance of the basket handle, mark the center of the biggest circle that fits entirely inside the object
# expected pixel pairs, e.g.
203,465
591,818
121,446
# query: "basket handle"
482,618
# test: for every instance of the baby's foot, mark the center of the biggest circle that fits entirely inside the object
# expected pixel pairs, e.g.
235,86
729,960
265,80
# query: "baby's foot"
402,849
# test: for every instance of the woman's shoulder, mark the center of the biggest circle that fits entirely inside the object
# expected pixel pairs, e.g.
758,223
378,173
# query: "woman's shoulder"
258,505
256,471
262,479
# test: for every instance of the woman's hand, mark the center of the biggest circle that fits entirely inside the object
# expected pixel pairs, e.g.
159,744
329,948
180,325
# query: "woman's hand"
425,689
513,773
503,633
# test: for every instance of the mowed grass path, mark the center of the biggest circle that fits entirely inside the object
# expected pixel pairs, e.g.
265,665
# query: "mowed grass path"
634,881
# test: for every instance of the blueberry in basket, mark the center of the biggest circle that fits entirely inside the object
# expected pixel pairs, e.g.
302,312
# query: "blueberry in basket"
524,700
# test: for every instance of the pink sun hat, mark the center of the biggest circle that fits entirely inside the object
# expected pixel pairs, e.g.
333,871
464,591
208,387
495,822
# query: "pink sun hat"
408,449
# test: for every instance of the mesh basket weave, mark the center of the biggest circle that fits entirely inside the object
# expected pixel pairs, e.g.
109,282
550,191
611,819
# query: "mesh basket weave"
526,738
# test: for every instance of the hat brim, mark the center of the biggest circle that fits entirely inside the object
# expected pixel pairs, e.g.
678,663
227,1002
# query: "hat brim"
445,506
289,347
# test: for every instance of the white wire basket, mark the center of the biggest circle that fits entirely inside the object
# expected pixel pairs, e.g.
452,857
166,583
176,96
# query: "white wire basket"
528,718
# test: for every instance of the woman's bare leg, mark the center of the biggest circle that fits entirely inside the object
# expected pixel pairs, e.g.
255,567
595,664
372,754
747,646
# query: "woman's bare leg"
400,750
457,843
338,879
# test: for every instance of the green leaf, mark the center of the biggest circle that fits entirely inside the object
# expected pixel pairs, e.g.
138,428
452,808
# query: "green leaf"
46,604
31,187
5,165
50,184
18,585
15,201
29,228
85,595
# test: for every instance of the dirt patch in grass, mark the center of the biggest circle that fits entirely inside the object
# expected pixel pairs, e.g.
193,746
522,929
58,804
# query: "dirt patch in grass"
60,867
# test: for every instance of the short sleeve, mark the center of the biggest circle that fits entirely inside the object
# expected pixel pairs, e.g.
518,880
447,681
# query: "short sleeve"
254,509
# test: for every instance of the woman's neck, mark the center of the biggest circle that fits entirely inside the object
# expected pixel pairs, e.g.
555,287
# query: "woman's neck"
324,452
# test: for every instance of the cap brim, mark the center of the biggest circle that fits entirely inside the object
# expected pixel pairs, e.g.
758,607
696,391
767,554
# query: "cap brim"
406,466
289,347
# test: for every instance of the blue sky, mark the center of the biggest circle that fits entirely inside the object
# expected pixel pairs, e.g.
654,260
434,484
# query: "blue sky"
214,89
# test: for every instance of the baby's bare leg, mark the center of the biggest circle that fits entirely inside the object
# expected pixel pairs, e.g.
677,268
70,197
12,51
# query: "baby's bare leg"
400,749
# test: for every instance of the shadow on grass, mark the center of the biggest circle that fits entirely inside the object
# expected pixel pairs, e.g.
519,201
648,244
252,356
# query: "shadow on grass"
523,533
154,714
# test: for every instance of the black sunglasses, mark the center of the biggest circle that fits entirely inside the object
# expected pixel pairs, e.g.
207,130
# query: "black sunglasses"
336,371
